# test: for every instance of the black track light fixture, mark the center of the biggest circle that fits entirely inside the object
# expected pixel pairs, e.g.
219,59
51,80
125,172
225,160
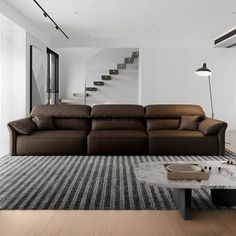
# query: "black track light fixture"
47,15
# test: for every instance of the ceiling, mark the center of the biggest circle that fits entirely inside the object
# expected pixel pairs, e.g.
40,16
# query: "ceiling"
131,18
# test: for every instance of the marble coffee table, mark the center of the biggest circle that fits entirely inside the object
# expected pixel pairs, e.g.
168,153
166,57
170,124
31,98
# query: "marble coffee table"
221,183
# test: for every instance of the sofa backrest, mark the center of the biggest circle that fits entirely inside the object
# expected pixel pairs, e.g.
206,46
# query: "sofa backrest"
167,117
115,117
66,117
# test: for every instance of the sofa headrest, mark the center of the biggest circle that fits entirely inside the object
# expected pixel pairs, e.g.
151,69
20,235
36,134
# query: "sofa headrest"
118,111
62,111
173,111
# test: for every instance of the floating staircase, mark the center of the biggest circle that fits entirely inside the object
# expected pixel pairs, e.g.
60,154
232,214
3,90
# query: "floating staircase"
120,66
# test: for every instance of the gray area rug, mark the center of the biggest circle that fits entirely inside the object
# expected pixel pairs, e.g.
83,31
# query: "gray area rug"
88,182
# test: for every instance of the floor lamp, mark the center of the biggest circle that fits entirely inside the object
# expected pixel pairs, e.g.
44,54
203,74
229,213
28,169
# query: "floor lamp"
204,71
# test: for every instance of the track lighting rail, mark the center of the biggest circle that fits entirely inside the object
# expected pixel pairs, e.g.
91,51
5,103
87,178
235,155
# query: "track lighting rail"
47,15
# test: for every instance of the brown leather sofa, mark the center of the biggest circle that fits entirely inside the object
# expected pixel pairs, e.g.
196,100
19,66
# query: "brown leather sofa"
117,130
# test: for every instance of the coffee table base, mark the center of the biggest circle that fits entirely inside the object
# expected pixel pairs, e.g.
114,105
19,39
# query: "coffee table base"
220,197
183,202
223,197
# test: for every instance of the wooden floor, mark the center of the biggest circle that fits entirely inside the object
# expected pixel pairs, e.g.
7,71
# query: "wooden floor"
118,223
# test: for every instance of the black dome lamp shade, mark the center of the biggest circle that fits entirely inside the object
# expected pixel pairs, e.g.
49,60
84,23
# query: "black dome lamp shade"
203,71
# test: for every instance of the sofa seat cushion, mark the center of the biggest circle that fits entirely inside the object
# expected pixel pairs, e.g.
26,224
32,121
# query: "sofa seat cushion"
117,142
181,142
53,142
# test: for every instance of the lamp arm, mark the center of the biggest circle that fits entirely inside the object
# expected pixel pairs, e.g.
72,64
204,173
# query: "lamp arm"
212,111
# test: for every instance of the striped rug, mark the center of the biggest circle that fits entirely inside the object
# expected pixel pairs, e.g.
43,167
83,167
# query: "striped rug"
88,182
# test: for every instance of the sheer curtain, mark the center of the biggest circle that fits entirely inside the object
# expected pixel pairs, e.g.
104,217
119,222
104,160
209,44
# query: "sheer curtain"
12,77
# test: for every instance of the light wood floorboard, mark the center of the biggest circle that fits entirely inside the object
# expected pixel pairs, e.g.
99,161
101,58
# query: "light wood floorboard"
115,223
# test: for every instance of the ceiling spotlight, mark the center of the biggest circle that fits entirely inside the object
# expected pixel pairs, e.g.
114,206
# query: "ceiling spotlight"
45,14
57,28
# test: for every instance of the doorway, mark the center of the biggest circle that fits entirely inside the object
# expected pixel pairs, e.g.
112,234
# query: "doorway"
52,76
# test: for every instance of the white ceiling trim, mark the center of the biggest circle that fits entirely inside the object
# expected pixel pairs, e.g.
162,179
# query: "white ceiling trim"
133,42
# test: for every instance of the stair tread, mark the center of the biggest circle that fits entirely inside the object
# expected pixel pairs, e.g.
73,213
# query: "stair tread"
98,83
113,71
135,54
106,77
79,95
71,100
129,60
91,89
121,66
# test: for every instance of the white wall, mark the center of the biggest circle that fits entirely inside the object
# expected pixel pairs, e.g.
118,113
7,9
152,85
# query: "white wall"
73,69
34,37
12,14
12,77
122,88
167,76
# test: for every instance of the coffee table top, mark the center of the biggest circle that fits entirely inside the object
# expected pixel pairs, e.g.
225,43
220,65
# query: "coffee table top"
151,173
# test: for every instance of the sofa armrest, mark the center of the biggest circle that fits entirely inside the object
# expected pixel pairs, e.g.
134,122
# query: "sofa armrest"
23,126
215,127
13,138
211,126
